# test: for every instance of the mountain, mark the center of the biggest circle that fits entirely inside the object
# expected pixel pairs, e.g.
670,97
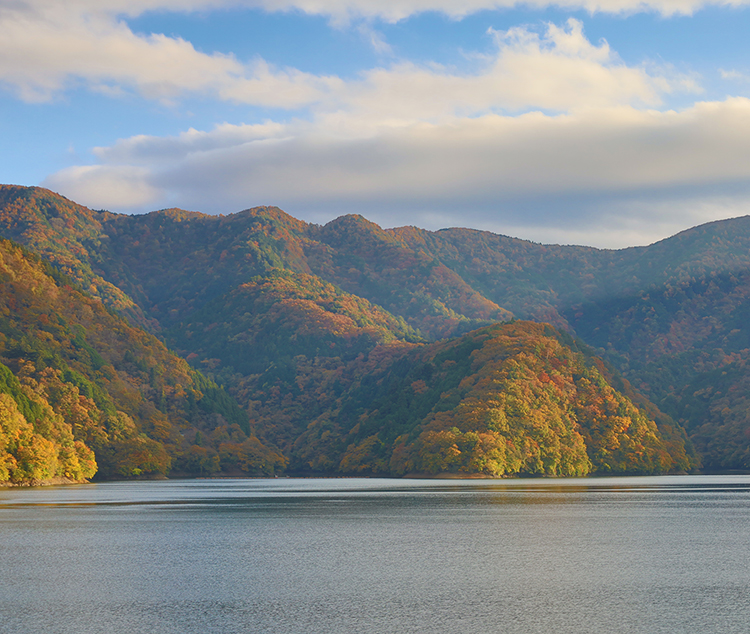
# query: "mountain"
507,399
66,234
281,311
671,317
80,386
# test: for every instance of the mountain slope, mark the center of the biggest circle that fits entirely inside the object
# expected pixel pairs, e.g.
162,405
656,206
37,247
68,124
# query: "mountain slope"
66,234
283,315
81,377
668,316
502,400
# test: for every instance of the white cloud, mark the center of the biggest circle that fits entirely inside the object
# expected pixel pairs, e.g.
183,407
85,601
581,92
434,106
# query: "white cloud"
548,175
624,222
166,150
733,75
549,120
285,88
559,70
110,186
395,10
39,57
375,39
47,47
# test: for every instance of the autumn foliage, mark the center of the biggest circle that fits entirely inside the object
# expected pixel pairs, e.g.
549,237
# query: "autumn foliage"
82,389
348,348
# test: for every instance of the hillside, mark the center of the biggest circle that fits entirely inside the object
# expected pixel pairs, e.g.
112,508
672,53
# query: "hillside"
507,399
282,315
75,377
672,317
259,299
65,234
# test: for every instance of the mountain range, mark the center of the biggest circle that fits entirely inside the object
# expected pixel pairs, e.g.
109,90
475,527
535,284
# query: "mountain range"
255,343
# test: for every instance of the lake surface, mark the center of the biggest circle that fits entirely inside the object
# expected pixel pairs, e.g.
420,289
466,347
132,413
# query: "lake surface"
612,555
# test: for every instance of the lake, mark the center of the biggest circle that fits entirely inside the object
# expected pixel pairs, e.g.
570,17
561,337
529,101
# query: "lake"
611,555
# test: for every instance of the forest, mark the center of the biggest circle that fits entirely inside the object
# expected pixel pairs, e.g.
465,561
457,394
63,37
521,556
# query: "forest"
178,343
82,392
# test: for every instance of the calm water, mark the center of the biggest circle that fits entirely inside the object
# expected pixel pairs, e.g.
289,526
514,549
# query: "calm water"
650,555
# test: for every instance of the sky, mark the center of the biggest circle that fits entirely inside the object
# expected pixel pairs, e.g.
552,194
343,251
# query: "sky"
609,123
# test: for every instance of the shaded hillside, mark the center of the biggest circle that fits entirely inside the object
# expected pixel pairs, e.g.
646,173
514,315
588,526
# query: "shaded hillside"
364,259
529,278
81,377
686,346
672,317
286,345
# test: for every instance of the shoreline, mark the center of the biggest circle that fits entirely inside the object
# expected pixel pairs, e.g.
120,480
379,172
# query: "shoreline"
42,483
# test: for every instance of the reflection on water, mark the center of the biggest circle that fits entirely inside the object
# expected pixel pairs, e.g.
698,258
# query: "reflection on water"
661,554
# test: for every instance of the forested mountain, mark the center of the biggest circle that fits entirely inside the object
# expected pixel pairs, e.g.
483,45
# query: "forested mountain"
75,377
66,234
298,320
503,399
672,317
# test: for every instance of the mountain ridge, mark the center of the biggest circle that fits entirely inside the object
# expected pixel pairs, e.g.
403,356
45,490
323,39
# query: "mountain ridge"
425,286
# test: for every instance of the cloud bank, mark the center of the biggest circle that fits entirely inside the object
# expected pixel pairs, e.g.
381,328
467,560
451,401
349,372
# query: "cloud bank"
583,177
48,47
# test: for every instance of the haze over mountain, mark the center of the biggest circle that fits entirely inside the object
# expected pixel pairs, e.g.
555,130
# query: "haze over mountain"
319,334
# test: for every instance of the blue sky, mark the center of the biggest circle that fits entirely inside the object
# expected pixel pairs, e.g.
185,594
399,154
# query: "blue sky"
604,122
